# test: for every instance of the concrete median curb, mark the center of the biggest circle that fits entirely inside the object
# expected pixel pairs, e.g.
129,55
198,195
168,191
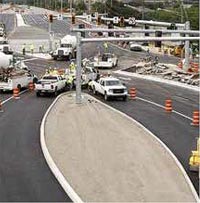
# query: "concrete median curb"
61,179
57,173
162,143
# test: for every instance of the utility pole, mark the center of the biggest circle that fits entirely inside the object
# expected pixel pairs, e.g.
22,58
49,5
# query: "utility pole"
187,48
70,7
61,7
142,9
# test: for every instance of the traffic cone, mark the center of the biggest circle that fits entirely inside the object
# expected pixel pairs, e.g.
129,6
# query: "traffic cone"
16,93
1,107
168,105
195,120
132,93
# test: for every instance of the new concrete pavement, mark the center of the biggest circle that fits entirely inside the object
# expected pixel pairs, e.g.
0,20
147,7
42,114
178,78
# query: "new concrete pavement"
106,157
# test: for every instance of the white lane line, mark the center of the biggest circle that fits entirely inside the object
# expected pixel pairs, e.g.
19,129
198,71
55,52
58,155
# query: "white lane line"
123,78
163,107
25,60
52,165
5,101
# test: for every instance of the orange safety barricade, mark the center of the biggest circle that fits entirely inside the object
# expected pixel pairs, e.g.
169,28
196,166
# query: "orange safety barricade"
195,119
132,93
16,93
168,105
31,86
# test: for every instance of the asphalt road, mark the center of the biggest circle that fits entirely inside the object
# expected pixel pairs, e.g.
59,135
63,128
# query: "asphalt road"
59,27
24,174
175,131
9,20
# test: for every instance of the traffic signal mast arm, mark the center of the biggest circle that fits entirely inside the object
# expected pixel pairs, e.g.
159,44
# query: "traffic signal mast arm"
194,32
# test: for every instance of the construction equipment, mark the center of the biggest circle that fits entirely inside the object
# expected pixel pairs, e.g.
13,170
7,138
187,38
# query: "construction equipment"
194,161
178,51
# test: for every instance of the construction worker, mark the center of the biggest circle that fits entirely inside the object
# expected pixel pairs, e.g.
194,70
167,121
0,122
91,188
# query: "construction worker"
55,72
70,80
105,46
72,67
24,49
32,48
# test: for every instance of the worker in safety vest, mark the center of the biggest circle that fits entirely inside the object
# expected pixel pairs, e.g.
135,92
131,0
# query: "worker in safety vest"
70,80
32,48
72,67
105,46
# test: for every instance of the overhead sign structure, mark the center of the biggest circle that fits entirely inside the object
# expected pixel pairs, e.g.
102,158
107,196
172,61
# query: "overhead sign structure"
89,18
131,21
116,20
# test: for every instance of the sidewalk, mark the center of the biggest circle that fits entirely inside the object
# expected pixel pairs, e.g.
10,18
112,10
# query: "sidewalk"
107,157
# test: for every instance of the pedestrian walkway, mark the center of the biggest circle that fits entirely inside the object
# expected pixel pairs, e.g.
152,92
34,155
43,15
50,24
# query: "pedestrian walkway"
107,157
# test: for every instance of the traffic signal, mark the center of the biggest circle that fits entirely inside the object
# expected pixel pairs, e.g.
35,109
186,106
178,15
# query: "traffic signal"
98,20
146,28
110,26
121,21
51,18
73,19
158,34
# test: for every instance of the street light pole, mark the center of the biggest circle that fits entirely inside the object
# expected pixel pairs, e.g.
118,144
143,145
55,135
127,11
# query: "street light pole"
78,69
187,48
61,7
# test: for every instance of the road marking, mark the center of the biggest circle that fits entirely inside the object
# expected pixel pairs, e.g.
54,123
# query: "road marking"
5,101
163,107
25,60
126,79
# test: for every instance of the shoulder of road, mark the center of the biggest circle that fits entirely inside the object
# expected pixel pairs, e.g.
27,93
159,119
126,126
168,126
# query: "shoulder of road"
106,156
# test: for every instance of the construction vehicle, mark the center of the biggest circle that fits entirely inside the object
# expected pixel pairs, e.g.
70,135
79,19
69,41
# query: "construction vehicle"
51,83
4,46
194,160
178,51
67,48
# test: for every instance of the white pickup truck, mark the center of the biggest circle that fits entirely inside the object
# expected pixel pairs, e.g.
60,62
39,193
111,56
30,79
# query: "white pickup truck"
50,84
107,60
109,87
10,82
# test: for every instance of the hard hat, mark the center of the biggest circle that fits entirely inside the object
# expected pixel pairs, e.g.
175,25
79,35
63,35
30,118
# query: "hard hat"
72,63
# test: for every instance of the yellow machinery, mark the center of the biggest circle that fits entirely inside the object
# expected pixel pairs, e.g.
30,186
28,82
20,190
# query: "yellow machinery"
194,160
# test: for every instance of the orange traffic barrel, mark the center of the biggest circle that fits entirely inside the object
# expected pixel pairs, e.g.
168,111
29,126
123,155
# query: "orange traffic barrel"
16,93
31,86
132,93
195,119
1,106
168,105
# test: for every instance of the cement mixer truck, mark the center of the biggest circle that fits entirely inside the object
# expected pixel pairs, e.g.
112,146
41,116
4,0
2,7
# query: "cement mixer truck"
5,60
67,48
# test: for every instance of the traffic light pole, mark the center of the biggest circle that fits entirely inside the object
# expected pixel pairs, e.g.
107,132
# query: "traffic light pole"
112,39
187,49
78,69
50,37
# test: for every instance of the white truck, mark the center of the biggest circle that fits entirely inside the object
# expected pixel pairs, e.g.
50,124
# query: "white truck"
109,87
12,78
50,84
4,46
107,60
67,48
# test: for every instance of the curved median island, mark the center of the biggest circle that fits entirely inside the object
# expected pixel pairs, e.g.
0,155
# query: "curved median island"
108,157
